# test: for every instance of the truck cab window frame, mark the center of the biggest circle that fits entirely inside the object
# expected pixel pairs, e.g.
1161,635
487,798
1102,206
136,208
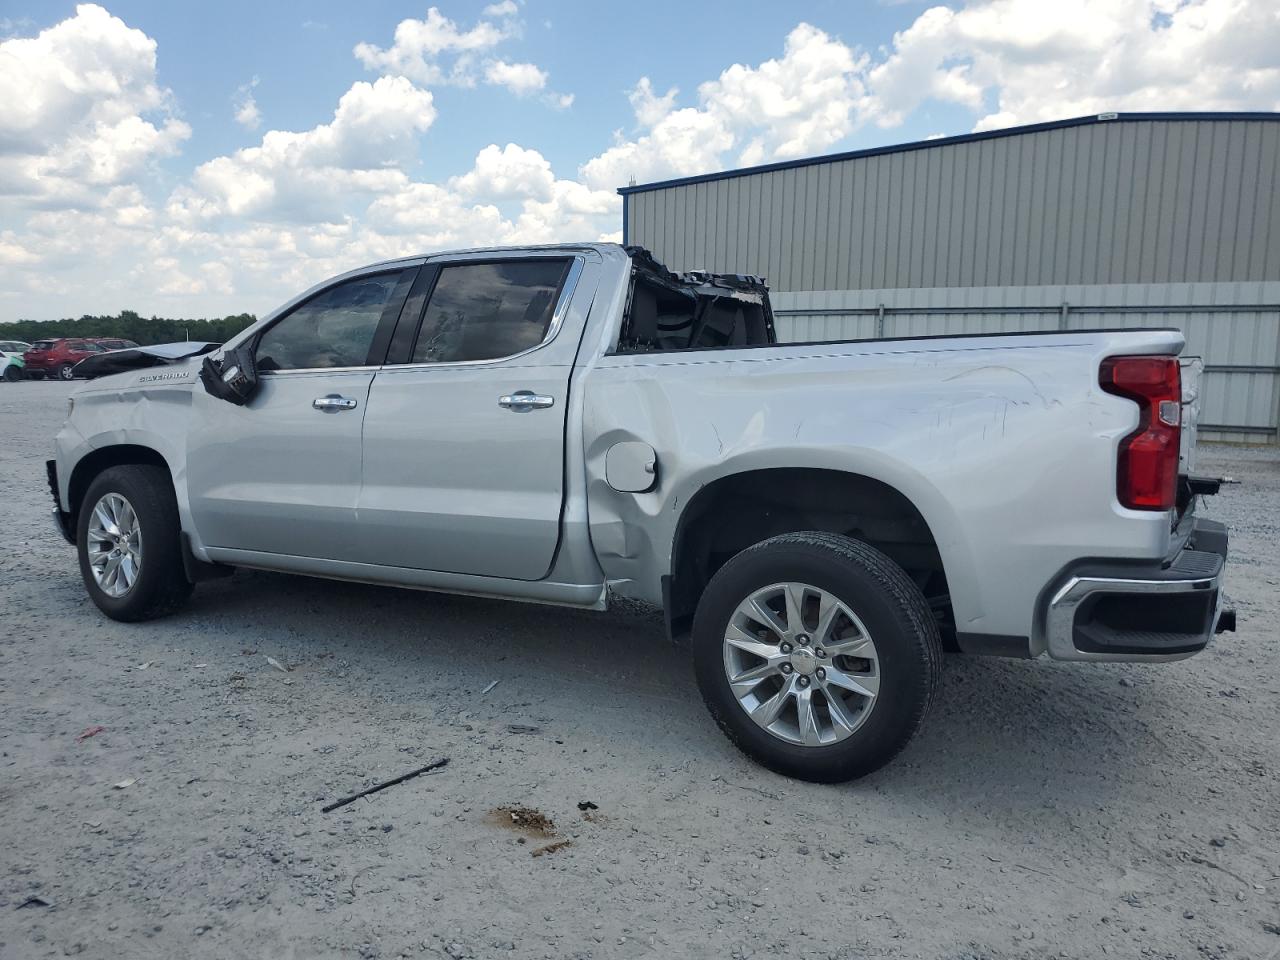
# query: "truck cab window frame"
395,285
496,291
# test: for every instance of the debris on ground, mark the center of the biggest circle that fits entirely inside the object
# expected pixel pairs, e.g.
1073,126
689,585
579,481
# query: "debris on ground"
524,819
386,783
34,902
124,783
551,848
90,732
522,728
489,687
585,805
144,666
277,664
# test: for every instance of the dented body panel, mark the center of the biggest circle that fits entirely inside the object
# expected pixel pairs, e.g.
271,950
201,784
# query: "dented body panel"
1005,445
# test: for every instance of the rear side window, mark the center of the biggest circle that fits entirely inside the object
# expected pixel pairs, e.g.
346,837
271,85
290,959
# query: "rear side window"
333,329
42,345
485,311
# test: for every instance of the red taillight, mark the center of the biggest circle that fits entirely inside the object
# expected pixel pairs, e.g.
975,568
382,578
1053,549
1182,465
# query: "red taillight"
1147,478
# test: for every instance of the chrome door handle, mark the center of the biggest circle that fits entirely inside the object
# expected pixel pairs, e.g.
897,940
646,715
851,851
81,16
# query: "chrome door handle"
523,400
333,403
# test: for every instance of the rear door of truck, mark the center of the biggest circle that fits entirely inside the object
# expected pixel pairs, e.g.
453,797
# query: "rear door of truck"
464,432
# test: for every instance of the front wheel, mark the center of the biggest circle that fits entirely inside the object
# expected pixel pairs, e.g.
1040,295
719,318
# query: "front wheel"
817,655
127,534
65,372
12,373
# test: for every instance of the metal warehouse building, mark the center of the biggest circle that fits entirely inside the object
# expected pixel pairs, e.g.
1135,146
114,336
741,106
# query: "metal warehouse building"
1116,220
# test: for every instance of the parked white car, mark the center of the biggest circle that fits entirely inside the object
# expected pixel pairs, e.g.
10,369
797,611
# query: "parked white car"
11,362
566,424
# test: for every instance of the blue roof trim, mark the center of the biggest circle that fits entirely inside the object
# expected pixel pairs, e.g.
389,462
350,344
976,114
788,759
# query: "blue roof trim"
940,142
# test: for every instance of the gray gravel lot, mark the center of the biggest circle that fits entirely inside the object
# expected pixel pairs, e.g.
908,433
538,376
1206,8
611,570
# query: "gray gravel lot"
1048,810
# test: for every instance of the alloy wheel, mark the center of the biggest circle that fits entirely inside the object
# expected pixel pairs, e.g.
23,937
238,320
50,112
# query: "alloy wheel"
801,664
114,545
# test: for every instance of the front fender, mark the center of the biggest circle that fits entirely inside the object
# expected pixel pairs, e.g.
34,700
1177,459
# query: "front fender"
152,414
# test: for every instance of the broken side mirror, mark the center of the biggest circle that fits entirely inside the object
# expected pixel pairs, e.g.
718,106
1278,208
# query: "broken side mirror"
233,377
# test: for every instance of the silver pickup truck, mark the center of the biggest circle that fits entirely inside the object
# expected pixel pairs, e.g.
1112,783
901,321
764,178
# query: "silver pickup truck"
569,424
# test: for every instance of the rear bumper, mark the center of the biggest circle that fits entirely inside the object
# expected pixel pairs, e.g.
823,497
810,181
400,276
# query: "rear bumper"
1111,610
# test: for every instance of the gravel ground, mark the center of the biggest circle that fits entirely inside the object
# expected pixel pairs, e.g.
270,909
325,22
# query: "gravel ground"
1048,810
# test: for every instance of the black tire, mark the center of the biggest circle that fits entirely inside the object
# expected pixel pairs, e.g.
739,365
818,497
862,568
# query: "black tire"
882,596
162,585
65,372
12,374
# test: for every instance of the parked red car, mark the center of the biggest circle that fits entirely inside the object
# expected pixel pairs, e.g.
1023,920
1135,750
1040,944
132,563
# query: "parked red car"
56,358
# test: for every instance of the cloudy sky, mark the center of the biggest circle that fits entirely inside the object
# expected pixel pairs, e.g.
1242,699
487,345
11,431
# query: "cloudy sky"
202,159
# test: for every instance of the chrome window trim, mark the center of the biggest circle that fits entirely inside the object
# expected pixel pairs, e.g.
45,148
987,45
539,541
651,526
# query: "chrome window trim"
553,328
286,373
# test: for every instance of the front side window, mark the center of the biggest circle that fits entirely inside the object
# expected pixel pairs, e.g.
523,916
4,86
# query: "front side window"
484,311
332,329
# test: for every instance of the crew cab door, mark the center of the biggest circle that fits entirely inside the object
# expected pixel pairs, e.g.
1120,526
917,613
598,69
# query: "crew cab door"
281,474
464,439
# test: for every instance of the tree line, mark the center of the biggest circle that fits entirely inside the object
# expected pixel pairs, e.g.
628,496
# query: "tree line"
128,325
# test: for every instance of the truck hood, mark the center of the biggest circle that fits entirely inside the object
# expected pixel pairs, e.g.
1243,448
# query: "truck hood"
137,358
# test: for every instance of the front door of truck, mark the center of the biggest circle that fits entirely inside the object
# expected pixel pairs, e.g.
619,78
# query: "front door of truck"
464,440
281,474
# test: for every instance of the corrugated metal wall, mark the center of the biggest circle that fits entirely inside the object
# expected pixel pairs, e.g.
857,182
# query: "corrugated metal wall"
1121,201
1234,327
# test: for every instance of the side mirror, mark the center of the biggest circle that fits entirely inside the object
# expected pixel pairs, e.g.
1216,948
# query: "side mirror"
233,377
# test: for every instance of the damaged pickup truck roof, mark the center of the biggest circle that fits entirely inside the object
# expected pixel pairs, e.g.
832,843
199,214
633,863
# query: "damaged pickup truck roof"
694,310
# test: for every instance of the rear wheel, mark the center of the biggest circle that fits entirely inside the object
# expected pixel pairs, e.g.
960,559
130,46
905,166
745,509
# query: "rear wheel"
65,372
127,534
817,655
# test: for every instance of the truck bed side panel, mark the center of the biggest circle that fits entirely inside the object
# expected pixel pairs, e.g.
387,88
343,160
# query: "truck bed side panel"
1006,446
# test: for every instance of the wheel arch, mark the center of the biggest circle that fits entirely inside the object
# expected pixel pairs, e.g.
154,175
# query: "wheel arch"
740,509
92,464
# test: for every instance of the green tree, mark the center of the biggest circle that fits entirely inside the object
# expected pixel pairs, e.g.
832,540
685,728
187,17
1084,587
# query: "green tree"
129,325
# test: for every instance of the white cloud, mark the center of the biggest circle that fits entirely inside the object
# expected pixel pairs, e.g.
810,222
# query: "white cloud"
247,113
795,105
82,109
511,171
520,78
438,51
310,175
1023,61
649,108
799,104
419,44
